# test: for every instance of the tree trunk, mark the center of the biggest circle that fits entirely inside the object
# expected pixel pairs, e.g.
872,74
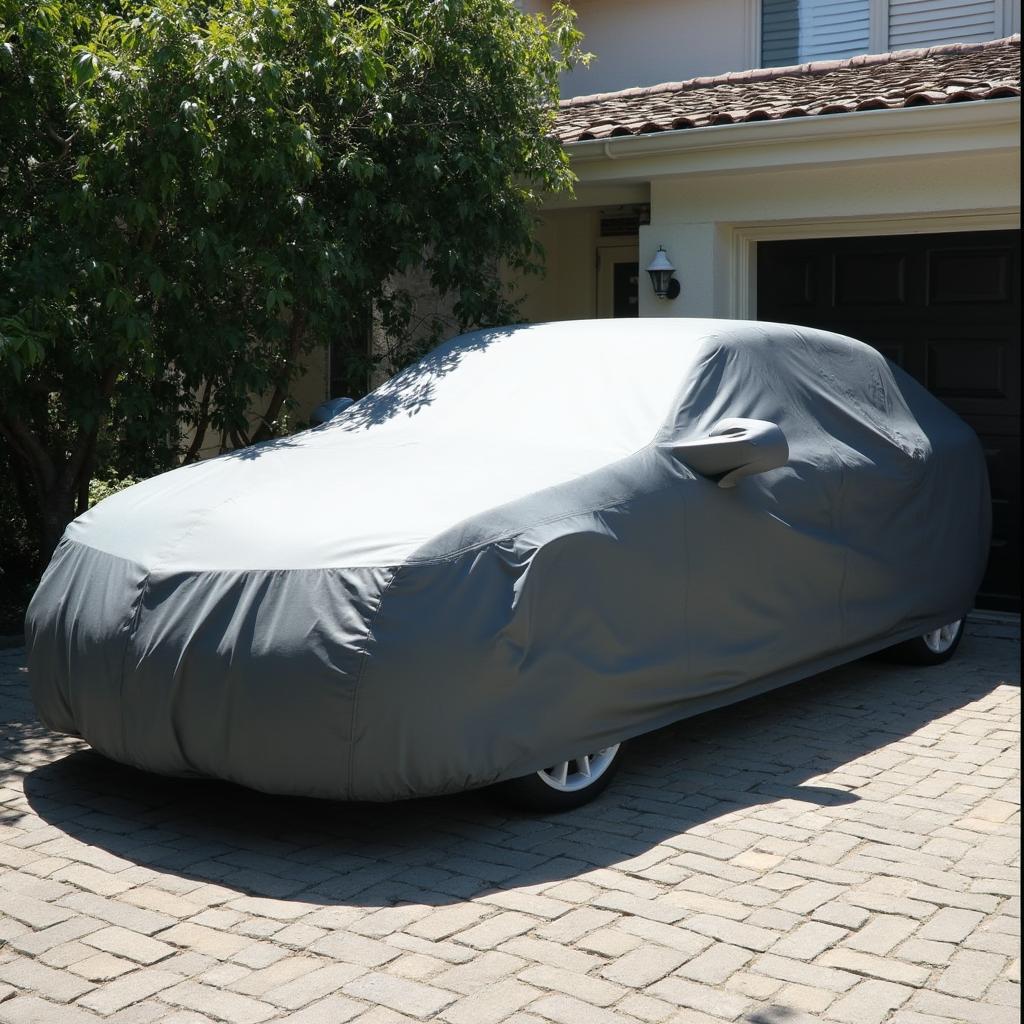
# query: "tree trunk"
60,489
296,336
57,508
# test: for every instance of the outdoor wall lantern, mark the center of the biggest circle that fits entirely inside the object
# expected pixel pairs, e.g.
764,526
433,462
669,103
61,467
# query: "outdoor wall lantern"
661,271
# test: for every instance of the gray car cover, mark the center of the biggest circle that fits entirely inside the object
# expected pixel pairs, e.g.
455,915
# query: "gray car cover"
501,559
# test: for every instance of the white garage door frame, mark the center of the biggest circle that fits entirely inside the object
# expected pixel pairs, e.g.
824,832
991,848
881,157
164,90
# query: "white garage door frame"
744,239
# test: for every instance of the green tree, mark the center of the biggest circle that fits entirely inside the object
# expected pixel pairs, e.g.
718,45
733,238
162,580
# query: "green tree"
193,195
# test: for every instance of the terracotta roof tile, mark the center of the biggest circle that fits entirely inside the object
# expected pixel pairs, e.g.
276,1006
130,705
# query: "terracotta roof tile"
956,73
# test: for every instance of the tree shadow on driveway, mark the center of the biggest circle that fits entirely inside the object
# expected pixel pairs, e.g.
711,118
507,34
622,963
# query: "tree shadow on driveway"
677,782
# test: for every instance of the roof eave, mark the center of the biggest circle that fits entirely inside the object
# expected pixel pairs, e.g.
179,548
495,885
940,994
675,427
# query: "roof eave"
815,139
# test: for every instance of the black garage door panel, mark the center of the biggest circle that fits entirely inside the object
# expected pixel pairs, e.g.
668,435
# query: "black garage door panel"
947,309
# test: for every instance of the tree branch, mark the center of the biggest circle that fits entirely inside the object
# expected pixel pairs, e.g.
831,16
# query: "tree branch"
80,466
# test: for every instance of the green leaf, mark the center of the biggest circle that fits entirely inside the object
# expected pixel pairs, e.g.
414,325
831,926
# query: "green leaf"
85,67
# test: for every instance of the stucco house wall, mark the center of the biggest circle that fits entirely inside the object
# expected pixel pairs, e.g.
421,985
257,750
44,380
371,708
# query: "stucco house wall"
720,190
650,41
644,42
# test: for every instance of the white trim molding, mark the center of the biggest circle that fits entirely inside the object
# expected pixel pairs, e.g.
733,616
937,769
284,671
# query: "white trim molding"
753,33
879,21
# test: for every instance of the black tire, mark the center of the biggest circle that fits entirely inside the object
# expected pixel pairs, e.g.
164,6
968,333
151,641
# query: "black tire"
920,652
532,793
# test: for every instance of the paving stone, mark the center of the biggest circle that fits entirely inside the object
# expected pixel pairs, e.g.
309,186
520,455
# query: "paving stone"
33,1010
150,1011
808,897
35,913
666,935
332,1010
842,914
82,876
101,967
224,975
121,942
733,932
609,942
596,991
409,997
66,954
564,1009
37,942
314,985
828,978
442,923
260,955
870,1002
925,951
970,973
754,985
694,996
491,1005
886,968
913,1017
803,998
204,940
950,925
299,935
446,950
484,970
416,966
645,1008
355,949
808,940
881,934
34,976
641,967
277,974
963,1011
649,909
132,988
216,1003
496,930
715,965
146,922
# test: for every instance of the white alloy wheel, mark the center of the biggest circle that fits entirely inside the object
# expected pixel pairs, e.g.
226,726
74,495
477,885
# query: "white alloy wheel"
938,641
579,772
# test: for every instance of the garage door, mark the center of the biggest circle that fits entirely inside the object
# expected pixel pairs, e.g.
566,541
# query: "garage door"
947,309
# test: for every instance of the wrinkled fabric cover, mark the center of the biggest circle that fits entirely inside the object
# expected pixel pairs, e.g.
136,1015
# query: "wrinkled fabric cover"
496,562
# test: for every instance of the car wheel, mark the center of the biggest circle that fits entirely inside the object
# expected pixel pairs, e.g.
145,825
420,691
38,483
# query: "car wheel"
933,648
566,785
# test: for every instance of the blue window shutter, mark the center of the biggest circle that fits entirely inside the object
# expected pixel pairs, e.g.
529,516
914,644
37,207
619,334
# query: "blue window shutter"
914,23
796,31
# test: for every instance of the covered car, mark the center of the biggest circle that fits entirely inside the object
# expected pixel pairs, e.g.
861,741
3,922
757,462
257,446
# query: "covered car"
536,542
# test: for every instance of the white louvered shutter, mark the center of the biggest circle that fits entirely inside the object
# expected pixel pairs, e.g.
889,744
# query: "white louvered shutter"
795,31
914,23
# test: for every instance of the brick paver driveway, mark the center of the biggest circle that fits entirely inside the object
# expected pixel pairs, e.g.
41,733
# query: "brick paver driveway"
843,850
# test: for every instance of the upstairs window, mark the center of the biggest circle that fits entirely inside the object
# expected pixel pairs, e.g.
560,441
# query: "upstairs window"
798,31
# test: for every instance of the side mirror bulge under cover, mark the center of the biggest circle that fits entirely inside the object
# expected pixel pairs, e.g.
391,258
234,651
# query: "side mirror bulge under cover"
735,448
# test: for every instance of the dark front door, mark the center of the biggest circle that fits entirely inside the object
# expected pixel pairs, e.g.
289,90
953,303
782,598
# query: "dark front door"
947,309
